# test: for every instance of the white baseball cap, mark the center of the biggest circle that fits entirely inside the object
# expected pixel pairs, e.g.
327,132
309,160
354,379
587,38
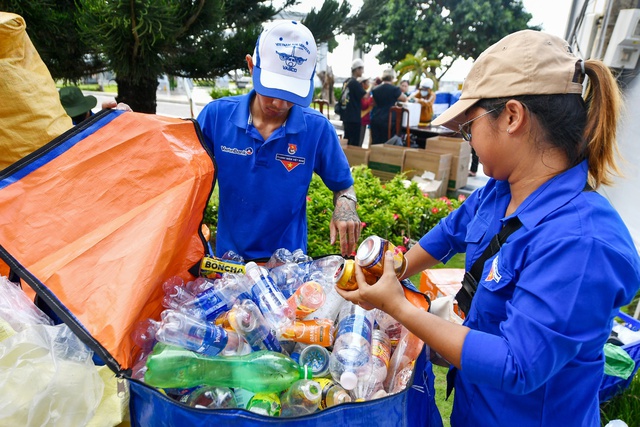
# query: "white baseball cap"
285,62
426,83
357,63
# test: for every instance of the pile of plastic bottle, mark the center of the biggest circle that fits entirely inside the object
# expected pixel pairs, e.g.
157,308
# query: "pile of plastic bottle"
277,340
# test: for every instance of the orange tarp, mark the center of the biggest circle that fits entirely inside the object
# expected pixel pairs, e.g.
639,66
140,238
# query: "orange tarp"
103,224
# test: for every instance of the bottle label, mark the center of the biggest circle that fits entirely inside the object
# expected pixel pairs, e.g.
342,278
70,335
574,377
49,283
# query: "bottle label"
211,304
265,404
316,331
272,343
357,324
213,342
212,266
381,350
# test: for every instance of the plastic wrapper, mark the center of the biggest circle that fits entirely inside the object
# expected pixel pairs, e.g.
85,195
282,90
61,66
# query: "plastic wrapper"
47,375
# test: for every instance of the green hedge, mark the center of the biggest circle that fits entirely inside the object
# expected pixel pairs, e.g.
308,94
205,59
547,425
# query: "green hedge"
390,210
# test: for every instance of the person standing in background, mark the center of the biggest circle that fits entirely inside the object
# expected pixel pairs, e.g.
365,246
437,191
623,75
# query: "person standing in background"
366,105
384,96
268,144
426,98
352,94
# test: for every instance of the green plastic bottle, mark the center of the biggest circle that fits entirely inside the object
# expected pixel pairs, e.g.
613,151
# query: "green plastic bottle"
260,372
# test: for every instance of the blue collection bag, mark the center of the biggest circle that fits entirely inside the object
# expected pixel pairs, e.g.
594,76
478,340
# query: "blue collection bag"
85,217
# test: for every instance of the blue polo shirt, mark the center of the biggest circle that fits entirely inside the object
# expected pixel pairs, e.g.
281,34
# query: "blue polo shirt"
263,185
544,305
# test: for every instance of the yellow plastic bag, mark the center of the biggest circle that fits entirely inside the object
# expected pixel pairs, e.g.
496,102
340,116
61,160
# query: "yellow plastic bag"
31,111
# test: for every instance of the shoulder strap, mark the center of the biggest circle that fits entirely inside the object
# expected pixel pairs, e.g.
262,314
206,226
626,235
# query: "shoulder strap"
471,278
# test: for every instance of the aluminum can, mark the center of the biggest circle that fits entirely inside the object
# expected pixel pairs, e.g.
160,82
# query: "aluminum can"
370,256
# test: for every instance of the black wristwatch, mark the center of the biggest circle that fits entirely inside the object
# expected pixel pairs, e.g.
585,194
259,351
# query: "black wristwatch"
351,197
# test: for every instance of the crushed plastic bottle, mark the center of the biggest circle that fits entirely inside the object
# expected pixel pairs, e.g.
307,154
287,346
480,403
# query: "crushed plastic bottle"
270,300
247,320
302,398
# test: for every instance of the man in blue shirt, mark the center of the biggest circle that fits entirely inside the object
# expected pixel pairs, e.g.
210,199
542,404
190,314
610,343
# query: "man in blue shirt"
268,144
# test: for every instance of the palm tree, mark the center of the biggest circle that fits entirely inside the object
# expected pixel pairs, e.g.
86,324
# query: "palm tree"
417,67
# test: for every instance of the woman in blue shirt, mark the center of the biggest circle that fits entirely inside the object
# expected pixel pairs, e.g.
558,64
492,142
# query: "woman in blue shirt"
530,351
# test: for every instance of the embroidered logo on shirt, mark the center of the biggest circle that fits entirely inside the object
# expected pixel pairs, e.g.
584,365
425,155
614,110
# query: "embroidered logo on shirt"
293,148
290,162
237,151
494,274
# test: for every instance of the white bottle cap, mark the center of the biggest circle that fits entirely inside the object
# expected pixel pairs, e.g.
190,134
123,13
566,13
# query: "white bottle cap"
348,380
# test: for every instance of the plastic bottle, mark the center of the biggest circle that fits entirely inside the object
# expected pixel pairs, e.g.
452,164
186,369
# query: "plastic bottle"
208,397
381,355
306,299
302,398
144,334
327,267
269,298
199,285
197,335
332,393
261,371
314,331
247,320
390,326
279,257
176,296
407,351
332,304
352,347
217,299
288,277
366,384
317,359
265,404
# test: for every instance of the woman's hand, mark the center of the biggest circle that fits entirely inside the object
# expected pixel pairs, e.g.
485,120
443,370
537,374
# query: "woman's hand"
386,294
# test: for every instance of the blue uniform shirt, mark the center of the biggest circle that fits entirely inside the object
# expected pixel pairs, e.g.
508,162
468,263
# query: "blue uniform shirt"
544,305
263,185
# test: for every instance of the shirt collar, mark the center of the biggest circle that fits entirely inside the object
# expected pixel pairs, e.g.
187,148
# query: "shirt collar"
295,123
551,195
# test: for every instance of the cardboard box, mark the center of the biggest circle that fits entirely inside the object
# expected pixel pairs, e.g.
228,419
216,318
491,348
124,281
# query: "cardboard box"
461,152
356,155
386,161
455,146
441,282
418,161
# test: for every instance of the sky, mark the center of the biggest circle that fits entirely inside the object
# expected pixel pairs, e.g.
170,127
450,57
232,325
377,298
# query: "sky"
550,14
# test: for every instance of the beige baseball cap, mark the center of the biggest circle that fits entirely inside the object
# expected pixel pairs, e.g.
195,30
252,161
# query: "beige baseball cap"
523,63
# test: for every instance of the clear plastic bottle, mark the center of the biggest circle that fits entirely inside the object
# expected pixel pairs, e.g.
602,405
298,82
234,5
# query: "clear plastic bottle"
217,299
265,293
279,257
317,359
199,285
327,267
197,335
352,347
306,299
247,320
333,302
407,351
381,354
261,371
208,397
332,393
302,398
144,334
288,277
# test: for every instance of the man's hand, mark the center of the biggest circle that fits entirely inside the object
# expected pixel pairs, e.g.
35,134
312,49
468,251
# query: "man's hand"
345,223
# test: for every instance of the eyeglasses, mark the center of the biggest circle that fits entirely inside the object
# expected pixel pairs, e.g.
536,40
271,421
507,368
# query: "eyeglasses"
465,128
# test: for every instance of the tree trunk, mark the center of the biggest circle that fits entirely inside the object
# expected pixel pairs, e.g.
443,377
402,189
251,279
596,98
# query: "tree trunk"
140,95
